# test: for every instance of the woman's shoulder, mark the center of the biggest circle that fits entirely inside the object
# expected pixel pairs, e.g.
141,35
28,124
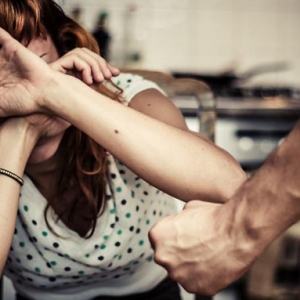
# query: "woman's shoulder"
125,80
132,84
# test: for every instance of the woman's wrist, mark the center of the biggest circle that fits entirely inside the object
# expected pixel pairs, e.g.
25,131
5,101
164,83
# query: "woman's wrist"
17,139
21,127
53,96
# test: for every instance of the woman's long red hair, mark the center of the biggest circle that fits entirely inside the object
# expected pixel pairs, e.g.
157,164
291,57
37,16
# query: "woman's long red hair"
84,167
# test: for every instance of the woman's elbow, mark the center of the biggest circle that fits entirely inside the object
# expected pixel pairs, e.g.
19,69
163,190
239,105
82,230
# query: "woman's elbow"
232,182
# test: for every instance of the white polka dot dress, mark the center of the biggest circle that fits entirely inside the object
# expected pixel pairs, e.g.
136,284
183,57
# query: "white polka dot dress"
116,260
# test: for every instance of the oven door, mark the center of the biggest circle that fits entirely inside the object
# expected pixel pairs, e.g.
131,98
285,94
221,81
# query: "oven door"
251,139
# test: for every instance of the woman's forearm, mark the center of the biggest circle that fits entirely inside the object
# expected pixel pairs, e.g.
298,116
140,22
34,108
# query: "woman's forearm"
171,159
15,148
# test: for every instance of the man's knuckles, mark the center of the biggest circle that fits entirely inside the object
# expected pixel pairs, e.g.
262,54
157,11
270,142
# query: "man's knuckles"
160,231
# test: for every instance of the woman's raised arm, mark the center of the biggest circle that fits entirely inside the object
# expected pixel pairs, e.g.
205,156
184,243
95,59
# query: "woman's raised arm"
170,158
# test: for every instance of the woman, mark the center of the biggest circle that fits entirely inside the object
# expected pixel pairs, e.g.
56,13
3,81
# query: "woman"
92,190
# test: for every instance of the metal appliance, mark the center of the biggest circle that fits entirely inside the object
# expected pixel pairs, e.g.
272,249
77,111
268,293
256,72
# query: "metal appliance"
251,128
251,122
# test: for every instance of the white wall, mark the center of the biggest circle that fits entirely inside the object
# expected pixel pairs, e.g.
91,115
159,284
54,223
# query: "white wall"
202,35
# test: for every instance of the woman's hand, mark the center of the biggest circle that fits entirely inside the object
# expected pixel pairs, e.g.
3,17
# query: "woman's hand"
23,78
85,65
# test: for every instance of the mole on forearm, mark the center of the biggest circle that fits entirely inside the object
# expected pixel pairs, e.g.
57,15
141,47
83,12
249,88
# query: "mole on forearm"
116,131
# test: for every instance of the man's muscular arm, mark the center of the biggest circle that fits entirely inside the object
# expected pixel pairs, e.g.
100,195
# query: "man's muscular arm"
207,246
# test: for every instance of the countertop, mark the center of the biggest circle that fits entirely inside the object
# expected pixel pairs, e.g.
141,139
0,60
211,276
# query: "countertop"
230,106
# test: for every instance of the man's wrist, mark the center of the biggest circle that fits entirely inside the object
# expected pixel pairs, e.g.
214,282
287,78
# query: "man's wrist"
246,232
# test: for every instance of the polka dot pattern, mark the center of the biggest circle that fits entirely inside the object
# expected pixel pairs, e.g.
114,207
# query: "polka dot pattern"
117,249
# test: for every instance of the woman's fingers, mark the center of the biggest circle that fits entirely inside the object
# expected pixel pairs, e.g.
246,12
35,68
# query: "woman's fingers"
74,65
92,67
107,70
96,62
114,71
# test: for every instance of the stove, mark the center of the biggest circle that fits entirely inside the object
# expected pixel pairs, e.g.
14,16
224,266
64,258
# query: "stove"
251,122
263,92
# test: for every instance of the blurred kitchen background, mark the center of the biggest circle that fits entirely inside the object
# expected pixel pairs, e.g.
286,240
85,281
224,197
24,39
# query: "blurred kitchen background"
207,36
248,52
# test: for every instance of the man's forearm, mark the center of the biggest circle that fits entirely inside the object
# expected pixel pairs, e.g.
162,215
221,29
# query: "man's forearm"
269,202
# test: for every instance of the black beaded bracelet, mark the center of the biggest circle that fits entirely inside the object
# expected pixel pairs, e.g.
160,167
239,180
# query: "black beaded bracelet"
12,175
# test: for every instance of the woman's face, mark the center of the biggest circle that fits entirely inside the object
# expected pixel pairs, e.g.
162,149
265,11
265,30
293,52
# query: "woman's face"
47,146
